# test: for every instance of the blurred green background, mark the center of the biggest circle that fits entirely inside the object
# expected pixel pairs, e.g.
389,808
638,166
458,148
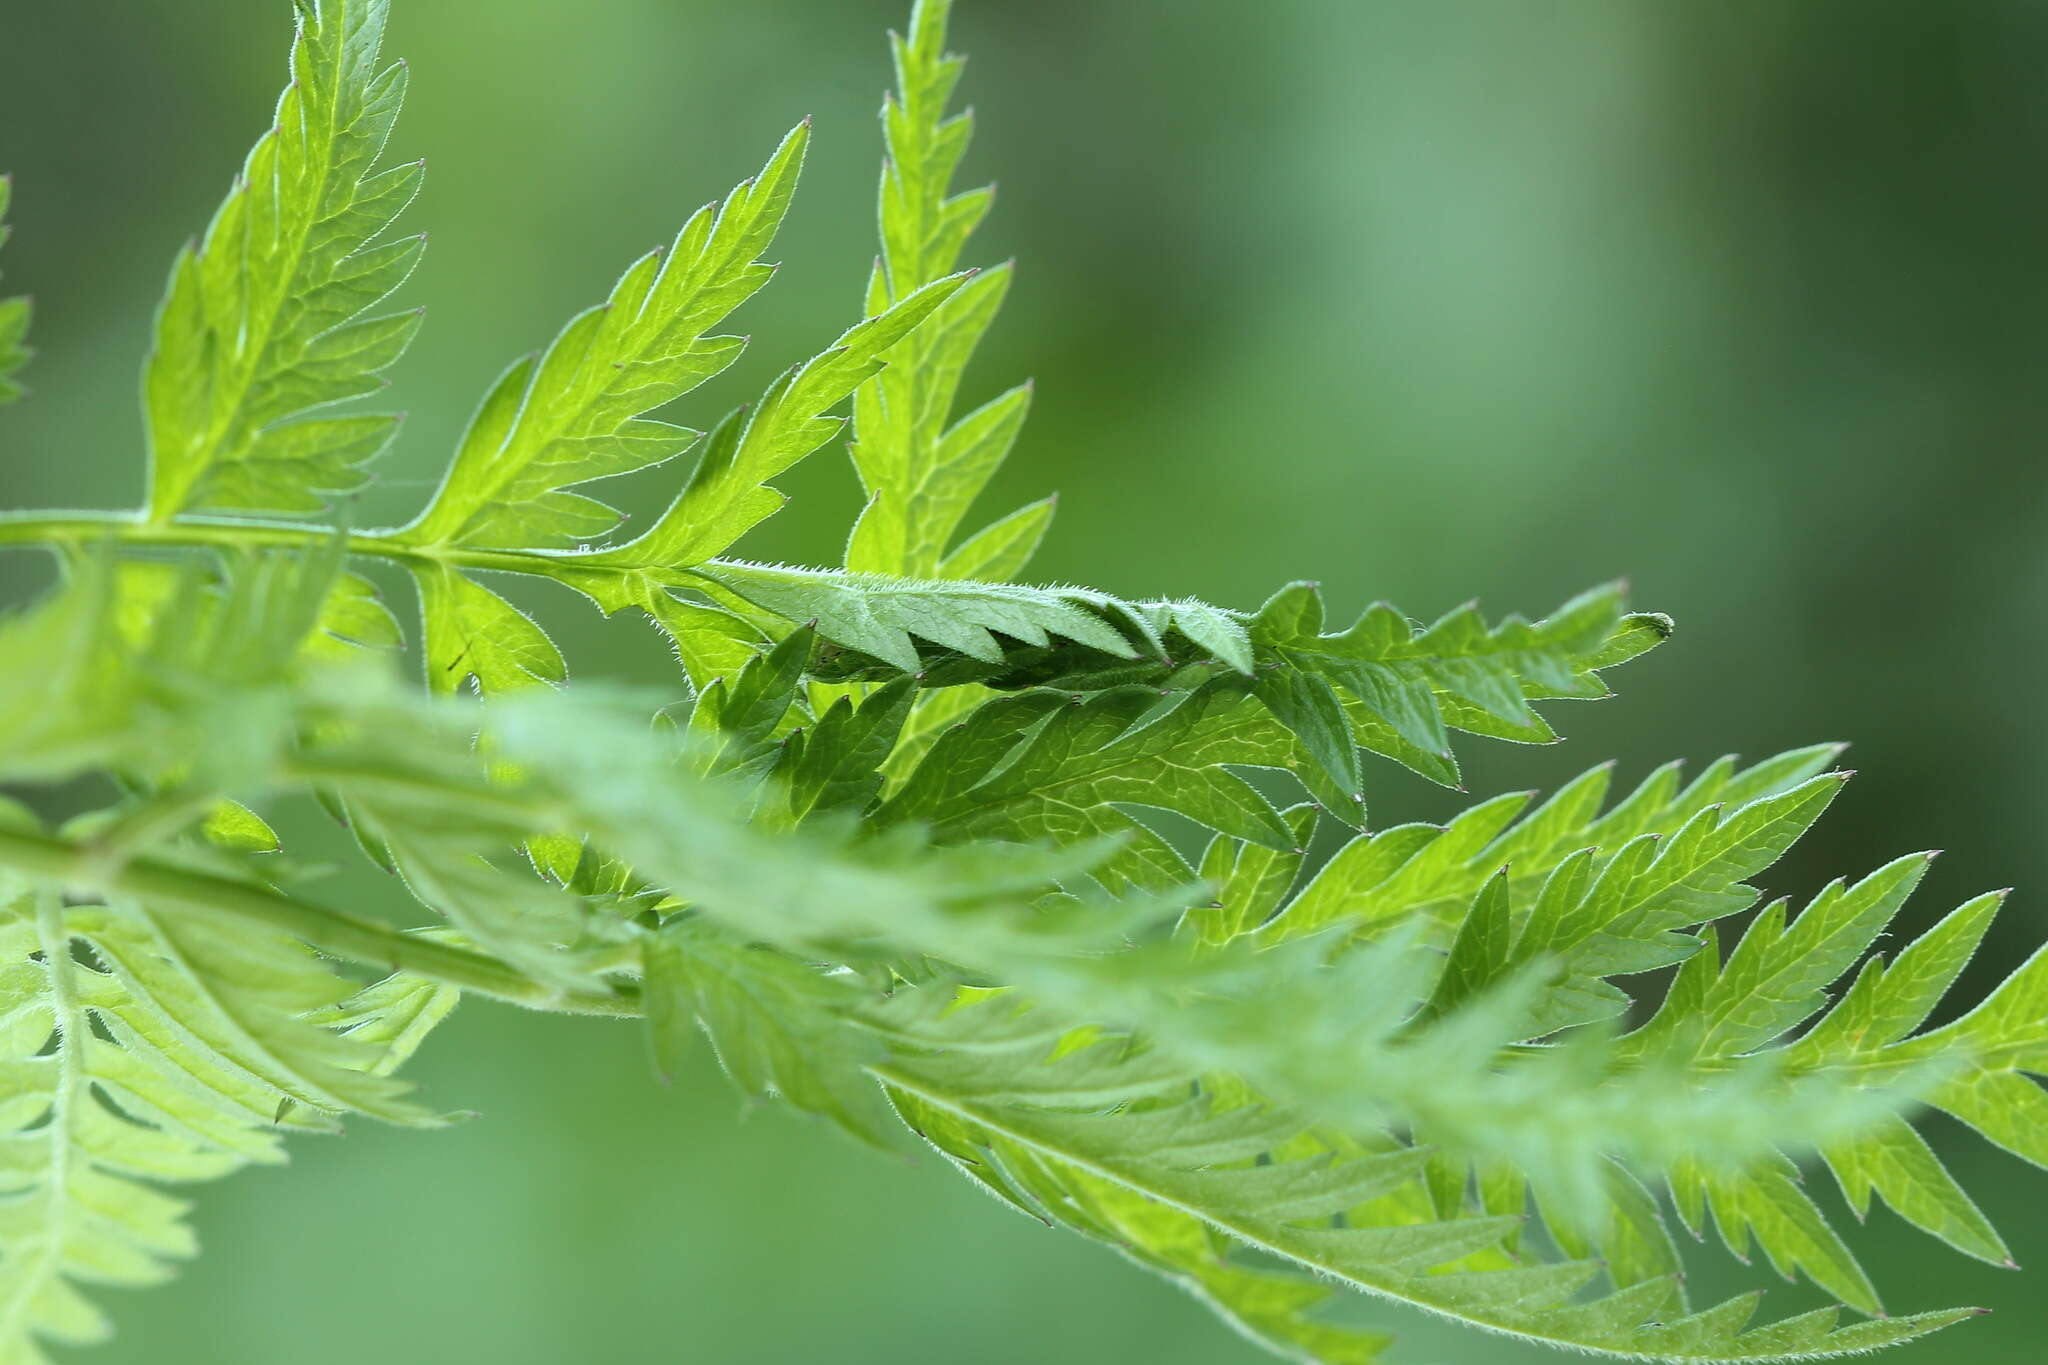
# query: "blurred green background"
1426,299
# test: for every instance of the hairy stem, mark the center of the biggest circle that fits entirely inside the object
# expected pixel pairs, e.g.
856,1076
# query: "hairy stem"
239,533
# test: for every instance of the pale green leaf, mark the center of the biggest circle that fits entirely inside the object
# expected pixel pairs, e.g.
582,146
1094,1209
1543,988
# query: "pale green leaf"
576,412
921,469
1250,881
265,319
999,551
170,1053
232,825
1896,1162
1431,873
471,632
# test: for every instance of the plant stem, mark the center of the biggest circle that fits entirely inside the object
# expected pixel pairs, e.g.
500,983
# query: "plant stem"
80,528
75,868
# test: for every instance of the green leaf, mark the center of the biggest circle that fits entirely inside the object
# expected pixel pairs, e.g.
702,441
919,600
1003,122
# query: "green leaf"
922,474
836,764
780,1027
735,721
232,825
575,413
240,995
1274,1308
1073,765
439,853
1407,684
878,617
1480,955
471,632
355,617
1896,1162
394,1015
999,551
1310,707
14,317
1775,978
1630,916
1738,1011
1400,689
1767,1203
1430,873
710,642
265,319
728,495
1250,881
1049,1119
170,674
171,1053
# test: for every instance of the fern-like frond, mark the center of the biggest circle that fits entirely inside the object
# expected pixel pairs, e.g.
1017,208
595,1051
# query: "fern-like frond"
1042,1119
1274,1308
264,319
1428,875
1402,685
14,316
877,623
1357,1039
240,996
910,842
576,412
1589,916
921,470
141,1049
1025,770
1383,684
1720,1015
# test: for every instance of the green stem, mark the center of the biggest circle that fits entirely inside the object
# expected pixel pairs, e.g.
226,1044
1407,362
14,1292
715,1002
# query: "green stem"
76,868
77,528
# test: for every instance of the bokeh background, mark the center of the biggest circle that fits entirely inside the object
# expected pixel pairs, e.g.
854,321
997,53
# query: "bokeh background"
1743,299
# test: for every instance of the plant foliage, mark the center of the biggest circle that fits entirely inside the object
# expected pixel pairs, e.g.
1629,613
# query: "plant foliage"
891,841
